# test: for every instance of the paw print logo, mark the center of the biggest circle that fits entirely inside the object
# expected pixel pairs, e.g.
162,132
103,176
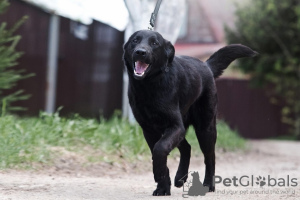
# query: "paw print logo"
261,181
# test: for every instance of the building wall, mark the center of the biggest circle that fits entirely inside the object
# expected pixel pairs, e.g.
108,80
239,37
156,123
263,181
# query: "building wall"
90,67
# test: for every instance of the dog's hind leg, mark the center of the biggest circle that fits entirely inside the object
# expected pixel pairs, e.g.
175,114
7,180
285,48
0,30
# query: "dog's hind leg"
204,122
207,140
185,155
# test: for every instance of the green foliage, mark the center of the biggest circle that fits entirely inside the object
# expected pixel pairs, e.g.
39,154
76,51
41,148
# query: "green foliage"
27,141
272,27
227,139
8,59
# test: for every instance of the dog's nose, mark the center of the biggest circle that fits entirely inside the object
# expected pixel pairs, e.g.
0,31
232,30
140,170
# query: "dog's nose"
140,52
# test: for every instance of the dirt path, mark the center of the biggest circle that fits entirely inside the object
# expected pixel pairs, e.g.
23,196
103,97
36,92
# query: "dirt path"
277,159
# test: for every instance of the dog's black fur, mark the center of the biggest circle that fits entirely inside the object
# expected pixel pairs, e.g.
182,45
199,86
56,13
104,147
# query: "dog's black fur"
169,95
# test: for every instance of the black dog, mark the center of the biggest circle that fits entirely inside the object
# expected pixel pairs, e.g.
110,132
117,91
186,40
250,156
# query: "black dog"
169,93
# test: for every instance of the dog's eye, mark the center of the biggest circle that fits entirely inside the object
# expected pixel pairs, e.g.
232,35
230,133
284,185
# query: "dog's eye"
154,43
135,41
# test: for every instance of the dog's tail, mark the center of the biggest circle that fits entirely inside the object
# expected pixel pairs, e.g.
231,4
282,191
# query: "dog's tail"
220,60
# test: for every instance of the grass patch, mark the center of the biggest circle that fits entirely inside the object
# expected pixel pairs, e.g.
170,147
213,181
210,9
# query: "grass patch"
227,139
25,141
285,137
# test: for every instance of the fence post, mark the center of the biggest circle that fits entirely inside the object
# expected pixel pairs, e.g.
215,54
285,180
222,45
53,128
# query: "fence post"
53,46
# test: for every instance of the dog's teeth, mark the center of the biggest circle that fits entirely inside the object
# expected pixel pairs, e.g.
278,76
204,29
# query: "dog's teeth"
138,74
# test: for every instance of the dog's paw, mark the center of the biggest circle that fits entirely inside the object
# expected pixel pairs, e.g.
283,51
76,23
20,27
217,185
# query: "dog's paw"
210,186
163,188
162,192
179,181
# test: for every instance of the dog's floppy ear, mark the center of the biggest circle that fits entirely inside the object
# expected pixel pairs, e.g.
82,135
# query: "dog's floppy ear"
126,62
170,50
125,46
124,50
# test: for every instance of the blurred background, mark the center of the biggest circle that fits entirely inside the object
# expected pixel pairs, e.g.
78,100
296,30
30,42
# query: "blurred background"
72,56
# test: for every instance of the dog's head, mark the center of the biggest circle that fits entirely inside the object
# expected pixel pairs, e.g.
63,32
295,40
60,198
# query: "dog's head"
147,53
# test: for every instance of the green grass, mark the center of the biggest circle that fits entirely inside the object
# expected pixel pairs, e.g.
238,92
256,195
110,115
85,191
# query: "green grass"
285,137
227,139
26,141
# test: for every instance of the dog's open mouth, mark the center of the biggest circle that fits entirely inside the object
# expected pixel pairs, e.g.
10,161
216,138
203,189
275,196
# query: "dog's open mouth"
140,68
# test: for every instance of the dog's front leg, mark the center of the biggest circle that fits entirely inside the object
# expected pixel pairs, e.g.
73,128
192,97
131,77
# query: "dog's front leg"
170,139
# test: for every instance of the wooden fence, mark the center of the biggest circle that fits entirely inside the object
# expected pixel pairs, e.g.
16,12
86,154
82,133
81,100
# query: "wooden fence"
249,110
90,68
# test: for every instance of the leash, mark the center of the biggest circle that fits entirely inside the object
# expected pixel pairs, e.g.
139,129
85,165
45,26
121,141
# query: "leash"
154,15
152,23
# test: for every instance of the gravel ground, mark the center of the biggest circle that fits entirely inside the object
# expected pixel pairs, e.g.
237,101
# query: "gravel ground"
277,159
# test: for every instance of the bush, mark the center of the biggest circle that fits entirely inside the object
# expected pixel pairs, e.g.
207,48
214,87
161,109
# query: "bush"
8,56
272,27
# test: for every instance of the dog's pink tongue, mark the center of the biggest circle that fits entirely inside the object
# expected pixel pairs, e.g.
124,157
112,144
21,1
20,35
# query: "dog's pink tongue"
140,67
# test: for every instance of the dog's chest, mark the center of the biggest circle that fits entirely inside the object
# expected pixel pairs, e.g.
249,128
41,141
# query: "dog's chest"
150,109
